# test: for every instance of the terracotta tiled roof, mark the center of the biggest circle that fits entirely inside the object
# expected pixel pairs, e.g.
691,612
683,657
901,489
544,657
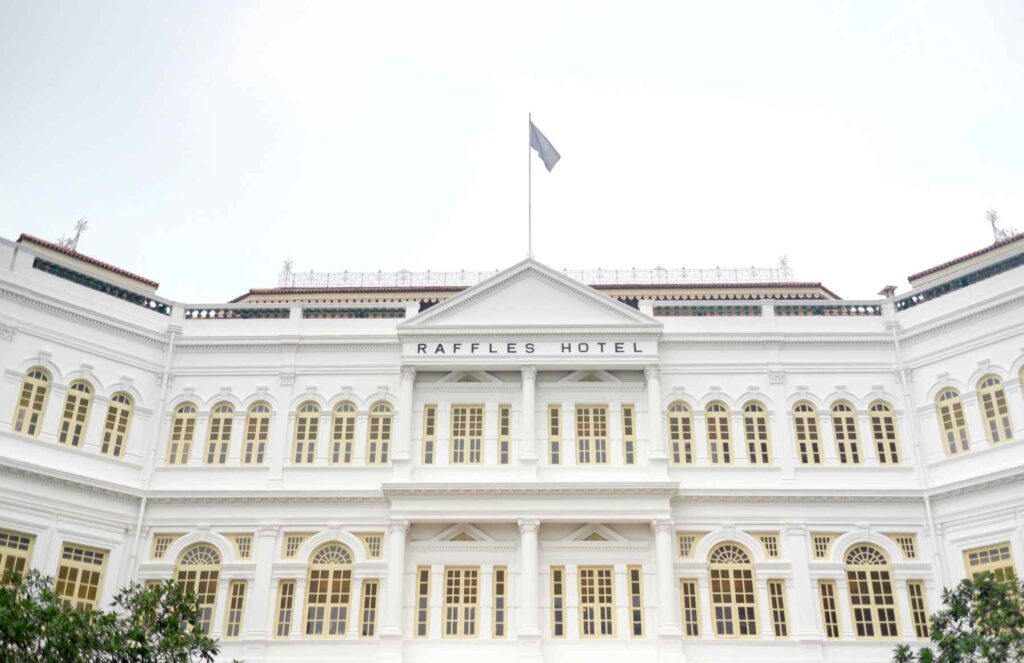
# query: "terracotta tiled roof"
640,287
973,254
84,258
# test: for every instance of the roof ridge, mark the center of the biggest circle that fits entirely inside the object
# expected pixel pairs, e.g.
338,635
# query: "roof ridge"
53,246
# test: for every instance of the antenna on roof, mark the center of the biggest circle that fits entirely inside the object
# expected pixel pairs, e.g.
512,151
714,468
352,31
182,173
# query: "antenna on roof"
998,234
72,242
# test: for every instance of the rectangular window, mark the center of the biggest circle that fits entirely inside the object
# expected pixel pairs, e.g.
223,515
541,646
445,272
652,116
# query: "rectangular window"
687,540
755,425
829,610
597,602
777,596
467,434
218,437
257,432
78,578
500,601
429,433
15,551
628,434
161,542
635,578
995,559
554,434
236,608
690,605
461,597
557,602
918,608
373,543
285,603
504,434
808,443
343,434
680,433
368,615
423,602
591,434
907,544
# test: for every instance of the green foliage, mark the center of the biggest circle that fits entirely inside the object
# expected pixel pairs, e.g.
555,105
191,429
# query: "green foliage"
982,622
155,625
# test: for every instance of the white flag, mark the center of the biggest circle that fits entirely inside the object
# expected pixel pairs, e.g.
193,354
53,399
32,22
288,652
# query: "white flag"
547,152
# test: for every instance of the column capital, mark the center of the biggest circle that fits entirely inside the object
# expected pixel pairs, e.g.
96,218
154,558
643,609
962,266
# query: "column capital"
529,372
398,526
408,373
662,525
652,372
795,529
528,525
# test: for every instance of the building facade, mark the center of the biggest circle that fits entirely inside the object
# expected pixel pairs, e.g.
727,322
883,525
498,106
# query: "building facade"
522,468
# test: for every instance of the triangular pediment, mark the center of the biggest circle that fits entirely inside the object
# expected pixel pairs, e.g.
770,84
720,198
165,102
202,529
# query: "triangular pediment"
463,533
595,534
529,294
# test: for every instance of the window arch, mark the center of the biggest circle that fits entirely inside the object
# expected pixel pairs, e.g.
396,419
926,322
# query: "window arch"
218,436
998,425
844,426
952,422
183,430
732,592
808,440
883,431
755,426
307,427
872,603
75,415
716,417
28,414
328,591
378,443
115,426
680,433
257,432
343,433
198,572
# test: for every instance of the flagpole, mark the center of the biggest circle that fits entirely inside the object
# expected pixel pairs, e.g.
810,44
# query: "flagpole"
529,187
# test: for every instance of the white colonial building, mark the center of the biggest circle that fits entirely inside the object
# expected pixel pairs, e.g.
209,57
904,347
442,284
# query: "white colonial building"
517,465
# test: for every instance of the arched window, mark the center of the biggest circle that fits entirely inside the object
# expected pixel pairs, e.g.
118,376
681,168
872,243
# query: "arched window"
844,426
328,591
343,433
183,429
307,426
680,433
378,443
198,572
998,426
716,417
951,421
218,437
115,426
76,413
808,441
732,592
871,597
28,415
257,432
755,426
883,431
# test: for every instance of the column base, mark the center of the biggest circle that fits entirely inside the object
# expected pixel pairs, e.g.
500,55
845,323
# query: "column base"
658,467
528,466
528,647
401,467
391,646
670,648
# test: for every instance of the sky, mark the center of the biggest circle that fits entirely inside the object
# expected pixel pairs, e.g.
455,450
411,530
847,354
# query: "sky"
208,142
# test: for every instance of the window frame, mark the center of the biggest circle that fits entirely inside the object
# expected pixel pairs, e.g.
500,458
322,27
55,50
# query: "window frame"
205,574
995,411
868,581
467,434
181,436
218,433
380,428
343,433
717,425
74,417
330,583
885,433
807,433
846,433
598,619
11,555
117,424
739,614
30,405
757,433
257,433
953,429
680,433
305,433
591,446
81,567
466,613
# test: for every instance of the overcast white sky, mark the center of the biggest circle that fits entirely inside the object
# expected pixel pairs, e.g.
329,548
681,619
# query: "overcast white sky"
206,142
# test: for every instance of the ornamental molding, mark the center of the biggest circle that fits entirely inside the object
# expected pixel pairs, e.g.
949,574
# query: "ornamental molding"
949,321
1010,477
7,332
83,316
456,490
463,546
67,480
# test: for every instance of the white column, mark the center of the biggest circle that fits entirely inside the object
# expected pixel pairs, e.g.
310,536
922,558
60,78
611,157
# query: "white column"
707,627
529,611
299,609
668,610
846,626
219,608
355,607
803,609
976,427
866,438
656,439
907,631
392,624
259,622
528,429
403,431
766,630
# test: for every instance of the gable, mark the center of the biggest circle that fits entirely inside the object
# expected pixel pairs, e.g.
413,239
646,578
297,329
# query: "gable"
529,295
